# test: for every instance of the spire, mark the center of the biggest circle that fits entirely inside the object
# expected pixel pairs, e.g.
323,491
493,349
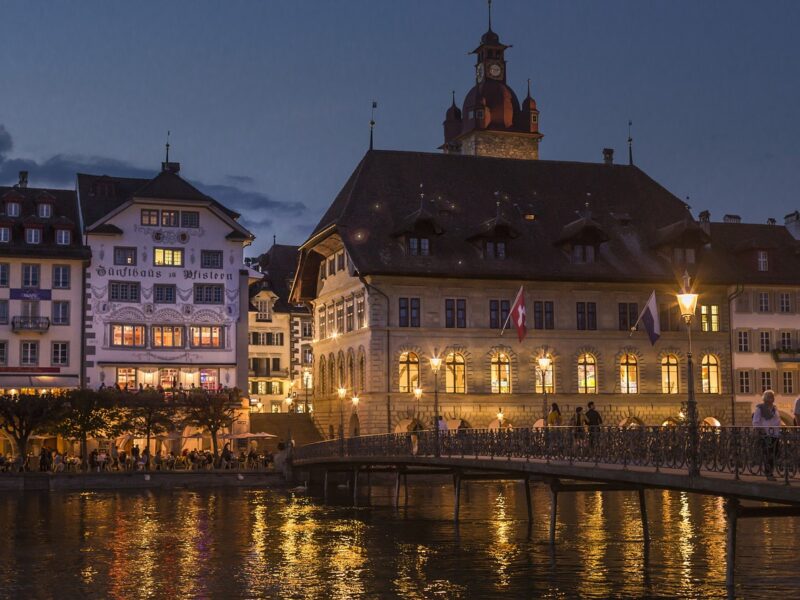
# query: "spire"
529,87
490,15
630,144
167,159
453,92
372,122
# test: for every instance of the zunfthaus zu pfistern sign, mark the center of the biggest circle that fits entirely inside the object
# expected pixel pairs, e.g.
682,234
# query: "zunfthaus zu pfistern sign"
136,273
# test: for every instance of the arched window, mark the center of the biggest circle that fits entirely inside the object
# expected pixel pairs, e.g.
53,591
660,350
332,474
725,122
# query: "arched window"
587,374
362,372
455,373
501,374
709,374
351,371
549,385
409,372
669,374
332,373
629,374
340,375
322,378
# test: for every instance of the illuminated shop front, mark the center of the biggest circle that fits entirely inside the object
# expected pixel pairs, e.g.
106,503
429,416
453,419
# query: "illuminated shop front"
171,377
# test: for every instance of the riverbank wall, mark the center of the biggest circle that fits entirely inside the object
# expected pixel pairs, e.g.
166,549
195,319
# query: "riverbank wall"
56,482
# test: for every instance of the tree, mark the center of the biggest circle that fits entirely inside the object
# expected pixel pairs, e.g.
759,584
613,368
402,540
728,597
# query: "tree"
24,415
88,413
210,411
147,414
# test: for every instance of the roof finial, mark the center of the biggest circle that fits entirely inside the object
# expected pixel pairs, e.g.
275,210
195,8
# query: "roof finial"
274,239
372,122
167,146
630,144
529,87
490,15
453,92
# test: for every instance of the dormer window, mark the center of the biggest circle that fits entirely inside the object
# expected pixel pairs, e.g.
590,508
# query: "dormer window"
419,246
33,235
12,209
763,260
583,253
45,210
5,235
494,249
263,310
683,256
63,237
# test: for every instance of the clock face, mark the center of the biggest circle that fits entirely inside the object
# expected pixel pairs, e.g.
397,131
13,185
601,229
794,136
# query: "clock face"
480,72
495,71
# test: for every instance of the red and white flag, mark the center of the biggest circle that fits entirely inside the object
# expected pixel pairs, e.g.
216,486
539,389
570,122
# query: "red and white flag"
518,316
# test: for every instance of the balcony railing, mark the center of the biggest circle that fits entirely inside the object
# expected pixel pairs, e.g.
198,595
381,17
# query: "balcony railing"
30,323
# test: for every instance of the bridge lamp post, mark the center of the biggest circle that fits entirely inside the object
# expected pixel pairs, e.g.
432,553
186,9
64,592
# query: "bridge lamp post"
687,301
306,382
418,396
342,392
544,364
436,364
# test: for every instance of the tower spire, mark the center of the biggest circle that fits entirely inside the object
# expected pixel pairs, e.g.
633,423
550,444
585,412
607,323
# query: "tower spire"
529,87
630,144
167,160
490,15
372,122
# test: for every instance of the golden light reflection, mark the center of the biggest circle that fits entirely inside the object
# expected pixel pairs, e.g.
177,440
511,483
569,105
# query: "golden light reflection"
593,533
502,550
685,541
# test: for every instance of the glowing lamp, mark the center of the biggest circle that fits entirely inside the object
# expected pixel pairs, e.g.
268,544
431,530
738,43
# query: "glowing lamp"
418,393
544,362
436,363
355,401
342,393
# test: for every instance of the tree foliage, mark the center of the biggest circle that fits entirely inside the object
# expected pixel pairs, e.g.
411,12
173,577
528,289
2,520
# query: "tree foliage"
209,411
24,415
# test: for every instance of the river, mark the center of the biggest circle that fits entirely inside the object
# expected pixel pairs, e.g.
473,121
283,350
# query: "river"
246,543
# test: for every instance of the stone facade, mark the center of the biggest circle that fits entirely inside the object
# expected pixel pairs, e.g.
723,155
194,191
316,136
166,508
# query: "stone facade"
365,359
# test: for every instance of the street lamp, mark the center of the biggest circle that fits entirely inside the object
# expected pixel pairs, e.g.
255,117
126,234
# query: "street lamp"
544,364
436,363
355,400
342,392
289,402
306,381
687,302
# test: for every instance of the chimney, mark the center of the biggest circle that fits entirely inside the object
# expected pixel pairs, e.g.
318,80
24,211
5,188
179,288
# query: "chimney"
608,156
792,222
23,179
171,167
705,221
771,221
732,219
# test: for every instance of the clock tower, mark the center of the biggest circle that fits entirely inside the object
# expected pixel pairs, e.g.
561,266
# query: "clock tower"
492,122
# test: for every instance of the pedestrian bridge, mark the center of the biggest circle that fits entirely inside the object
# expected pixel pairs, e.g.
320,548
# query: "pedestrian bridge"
732,462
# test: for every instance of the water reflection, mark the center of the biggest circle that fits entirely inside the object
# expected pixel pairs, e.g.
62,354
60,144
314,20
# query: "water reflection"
265,544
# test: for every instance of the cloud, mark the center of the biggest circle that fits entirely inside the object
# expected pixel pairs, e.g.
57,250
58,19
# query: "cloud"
60,169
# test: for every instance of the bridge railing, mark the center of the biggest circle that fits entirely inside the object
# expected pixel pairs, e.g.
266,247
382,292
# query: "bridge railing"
735,450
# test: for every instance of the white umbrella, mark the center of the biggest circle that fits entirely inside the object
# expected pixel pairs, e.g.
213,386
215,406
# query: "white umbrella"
257,434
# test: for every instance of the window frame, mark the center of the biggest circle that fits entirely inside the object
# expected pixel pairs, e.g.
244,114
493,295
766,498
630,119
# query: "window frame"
61,268
207,254
161,287
134,328
147,215
408,372
500,376
130,286
170,217
168,251
157,332
122,251
53,361
208,287
220,336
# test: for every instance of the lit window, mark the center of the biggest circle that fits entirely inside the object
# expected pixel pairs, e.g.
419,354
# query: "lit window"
206,336
709,374
409,372
549,385
168,257
166,336
263,310
709,317
149,217
587,374
33,235
629,374
126,377
669,374
63,237
169,218
455,373
131,336
501,374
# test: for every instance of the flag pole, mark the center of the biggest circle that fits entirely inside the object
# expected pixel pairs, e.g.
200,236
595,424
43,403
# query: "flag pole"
508,318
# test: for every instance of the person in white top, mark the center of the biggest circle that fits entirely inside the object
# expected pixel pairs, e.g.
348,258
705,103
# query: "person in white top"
767,418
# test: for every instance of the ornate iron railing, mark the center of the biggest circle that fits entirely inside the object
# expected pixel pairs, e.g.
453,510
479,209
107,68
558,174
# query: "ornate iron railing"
735,450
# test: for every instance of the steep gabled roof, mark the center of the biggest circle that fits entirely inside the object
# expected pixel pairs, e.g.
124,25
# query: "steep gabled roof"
543,198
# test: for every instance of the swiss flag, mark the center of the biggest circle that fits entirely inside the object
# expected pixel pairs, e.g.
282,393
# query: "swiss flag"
518,316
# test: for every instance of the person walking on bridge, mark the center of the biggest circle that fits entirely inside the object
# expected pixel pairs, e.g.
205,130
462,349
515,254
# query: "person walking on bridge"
594,421
767,419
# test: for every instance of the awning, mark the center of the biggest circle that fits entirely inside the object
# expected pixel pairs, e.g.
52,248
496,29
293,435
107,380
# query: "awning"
39,381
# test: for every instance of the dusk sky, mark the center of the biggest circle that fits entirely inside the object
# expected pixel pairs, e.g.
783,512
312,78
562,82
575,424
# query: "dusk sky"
269,102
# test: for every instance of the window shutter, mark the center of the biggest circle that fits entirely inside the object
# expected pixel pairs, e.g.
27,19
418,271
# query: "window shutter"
774,299
743,303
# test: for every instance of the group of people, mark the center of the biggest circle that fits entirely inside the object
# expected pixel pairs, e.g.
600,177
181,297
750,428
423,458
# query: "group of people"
582,421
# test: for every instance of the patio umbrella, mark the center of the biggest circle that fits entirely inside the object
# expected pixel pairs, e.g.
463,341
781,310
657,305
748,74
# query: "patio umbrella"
257,434
194,436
